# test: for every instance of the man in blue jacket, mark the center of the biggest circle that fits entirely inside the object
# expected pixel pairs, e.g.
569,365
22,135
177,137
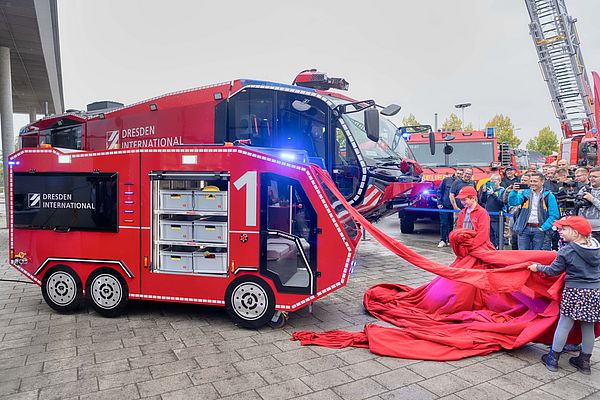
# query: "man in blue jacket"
539,210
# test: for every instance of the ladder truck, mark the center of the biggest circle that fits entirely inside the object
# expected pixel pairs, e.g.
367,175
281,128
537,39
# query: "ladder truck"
557,44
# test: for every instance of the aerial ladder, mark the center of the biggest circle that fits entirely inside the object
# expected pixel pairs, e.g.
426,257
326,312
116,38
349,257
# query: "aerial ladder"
557,44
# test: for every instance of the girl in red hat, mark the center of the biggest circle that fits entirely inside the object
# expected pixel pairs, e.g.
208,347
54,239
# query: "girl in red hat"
580,259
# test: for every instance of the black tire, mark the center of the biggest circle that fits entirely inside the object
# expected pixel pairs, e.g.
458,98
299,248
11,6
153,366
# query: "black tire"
62,289
107,292
250,302
407,224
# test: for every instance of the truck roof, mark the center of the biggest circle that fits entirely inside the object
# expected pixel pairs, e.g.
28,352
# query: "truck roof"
177,98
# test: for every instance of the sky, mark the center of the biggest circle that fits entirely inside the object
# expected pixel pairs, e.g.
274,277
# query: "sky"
424,55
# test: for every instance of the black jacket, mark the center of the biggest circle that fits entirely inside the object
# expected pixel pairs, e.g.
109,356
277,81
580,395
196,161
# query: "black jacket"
444,191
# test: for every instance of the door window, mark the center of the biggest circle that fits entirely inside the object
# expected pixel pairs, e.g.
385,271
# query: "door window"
251,117
346,171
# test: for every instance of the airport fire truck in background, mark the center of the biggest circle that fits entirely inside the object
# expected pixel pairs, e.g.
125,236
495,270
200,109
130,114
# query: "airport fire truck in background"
559,51
219,225
343,136
477,149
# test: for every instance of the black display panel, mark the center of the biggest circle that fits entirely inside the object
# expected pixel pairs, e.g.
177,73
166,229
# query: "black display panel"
66,201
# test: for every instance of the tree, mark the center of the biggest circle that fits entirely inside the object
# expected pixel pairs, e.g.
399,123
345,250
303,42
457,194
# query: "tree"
546,142
452,123
411,120
469,127
505,130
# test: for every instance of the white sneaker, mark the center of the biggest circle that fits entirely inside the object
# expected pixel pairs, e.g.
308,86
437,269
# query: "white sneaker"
441,244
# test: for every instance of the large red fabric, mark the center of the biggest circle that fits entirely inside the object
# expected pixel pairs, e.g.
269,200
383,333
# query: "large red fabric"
486,300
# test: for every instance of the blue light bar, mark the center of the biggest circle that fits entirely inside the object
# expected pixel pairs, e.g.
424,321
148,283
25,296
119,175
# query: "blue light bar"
14,162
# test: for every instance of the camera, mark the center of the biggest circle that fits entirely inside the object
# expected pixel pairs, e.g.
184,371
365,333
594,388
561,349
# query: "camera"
569,200
522,186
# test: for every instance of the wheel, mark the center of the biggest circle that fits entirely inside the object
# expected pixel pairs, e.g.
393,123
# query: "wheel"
250,301
62,289
407,224
107,292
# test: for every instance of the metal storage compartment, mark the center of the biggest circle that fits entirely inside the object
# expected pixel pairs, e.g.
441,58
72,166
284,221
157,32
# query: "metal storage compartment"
210,231
210,201
208,262
176,199
177,229
175,260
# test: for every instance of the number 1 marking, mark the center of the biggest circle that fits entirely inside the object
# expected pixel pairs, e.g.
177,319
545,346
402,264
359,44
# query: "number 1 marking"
249,180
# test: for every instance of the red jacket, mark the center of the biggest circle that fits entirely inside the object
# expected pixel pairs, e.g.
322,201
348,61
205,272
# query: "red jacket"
481,224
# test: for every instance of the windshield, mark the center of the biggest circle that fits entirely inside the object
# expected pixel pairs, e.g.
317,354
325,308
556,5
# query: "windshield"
476,154
424,157
376,152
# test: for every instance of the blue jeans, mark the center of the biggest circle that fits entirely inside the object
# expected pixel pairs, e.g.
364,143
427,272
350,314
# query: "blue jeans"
446,224
533,239
495,233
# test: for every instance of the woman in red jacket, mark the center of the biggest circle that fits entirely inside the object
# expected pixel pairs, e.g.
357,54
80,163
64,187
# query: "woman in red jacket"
473,216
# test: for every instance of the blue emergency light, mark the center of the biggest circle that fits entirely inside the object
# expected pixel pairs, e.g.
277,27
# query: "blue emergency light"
490,132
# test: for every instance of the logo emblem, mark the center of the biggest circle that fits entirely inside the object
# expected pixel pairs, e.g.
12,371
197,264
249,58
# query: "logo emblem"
33,200
112,140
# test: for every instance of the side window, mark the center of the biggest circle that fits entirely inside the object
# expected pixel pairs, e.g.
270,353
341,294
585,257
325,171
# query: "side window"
67,138
289,244
346,170
251,117
302,124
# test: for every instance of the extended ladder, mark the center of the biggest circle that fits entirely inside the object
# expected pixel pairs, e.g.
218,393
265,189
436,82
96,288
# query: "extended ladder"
557,44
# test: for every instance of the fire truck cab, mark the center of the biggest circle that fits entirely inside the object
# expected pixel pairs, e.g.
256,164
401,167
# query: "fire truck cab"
249,229
344,136
478,150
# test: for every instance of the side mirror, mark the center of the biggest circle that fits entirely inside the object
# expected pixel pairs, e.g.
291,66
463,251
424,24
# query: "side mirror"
448,138
372,124
448,149
391,110
432,142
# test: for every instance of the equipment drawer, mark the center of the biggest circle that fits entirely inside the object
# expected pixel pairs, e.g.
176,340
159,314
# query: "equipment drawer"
172,229
207,262
210,201
176,261
176,199
210,231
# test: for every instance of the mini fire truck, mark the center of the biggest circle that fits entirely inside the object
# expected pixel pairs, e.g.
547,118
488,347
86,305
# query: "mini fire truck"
344,136
249,229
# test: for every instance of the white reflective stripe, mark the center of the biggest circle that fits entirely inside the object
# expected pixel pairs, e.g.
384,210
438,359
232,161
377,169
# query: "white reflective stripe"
176,298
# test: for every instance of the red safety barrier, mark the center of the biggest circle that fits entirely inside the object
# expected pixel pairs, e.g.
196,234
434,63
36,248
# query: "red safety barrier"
486,300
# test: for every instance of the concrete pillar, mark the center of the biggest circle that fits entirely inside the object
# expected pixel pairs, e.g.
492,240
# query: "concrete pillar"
6,114
32,115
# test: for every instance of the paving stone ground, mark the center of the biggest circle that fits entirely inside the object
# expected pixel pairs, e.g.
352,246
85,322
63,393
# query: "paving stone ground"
172,351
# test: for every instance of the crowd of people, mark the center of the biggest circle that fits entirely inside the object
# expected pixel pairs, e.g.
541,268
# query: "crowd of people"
531,202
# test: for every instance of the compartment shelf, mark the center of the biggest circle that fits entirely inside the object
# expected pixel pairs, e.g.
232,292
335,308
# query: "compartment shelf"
190,223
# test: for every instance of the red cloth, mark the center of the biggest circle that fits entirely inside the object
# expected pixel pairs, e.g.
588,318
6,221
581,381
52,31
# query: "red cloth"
481,223
484,301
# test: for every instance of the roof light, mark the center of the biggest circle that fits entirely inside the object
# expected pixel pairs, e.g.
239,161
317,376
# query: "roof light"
311,78
189,159
287,156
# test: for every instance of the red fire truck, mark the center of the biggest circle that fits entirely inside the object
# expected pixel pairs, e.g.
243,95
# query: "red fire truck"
229,226
338,133
477,149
